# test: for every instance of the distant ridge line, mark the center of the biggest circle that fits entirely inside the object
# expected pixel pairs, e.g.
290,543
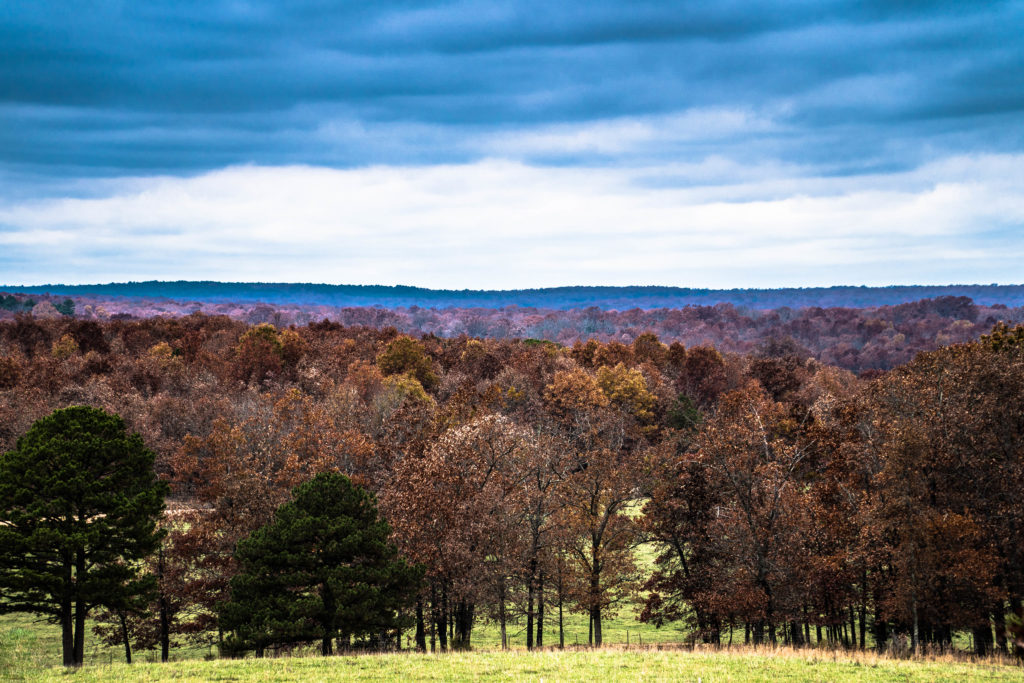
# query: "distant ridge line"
554,298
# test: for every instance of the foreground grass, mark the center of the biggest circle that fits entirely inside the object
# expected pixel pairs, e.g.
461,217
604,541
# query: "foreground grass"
568,665
29,645
30,651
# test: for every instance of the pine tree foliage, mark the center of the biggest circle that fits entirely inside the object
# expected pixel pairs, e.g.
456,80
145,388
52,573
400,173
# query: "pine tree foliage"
323,569
79,503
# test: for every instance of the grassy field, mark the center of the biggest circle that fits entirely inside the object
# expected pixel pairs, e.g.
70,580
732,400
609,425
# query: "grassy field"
30,651
568,665
31,644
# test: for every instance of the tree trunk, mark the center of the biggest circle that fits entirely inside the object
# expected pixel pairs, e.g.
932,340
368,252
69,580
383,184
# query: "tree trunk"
463,625
79,633
421,634
853,627
433,618
442,623
531,584
540,610
529,614
879,630
758,633
596,611
80,611
165,629
67,632
561,631
915,640
501,615
327,625
796,635
863,610
165,621
999,619
982,640
124,636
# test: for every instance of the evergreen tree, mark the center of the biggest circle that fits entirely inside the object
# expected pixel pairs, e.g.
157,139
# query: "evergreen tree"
79,502
324,568
66,308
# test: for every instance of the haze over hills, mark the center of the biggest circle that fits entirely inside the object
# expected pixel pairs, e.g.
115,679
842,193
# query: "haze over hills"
555,298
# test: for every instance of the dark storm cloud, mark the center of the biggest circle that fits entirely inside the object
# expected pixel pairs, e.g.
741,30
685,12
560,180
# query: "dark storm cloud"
131,88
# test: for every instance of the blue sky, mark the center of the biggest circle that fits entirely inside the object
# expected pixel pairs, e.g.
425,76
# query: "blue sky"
514,144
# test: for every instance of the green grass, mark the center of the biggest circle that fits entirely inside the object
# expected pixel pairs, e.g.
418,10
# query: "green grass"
30,651
616,630
29,645
570,665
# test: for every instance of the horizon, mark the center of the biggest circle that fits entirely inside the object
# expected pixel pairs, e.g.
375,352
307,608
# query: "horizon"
931,285
498,147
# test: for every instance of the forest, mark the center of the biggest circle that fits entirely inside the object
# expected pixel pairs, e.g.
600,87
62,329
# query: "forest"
789,499
858,338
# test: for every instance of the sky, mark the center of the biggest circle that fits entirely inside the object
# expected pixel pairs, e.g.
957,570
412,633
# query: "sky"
490,145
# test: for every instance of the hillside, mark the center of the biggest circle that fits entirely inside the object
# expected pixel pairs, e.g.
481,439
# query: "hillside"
554,298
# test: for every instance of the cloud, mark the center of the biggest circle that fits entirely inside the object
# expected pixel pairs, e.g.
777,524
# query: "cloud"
185,87
471,144
499,224
630,135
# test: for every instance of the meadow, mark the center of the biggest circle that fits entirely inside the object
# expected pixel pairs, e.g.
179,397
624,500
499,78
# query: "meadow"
30,650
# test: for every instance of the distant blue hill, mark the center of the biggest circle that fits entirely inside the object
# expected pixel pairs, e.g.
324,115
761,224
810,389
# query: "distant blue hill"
555,298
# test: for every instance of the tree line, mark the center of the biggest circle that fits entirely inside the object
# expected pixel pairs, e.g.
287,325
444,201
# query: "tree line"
789,500
870,337
552,298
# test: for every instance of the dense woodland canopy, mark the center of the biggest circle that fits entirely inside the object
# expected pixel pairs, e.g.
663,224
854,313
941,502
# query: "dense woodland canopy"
855,328
785,495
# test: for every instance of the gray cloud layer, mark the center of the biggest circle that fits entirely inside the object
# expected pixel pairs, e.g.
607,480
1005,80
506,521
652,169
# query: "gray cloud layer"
115,88
512,144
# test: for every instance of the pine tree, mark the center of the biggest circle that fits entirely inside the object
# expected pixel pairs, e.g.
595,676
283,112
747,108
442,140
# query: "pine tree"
323,569
79,502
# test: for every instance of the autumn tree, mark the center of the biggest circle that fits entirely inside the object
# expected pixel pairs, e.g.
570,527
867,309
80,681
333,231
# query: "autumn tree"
751,454
678,519
453,512
604,477
405,355
259,353
949,476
